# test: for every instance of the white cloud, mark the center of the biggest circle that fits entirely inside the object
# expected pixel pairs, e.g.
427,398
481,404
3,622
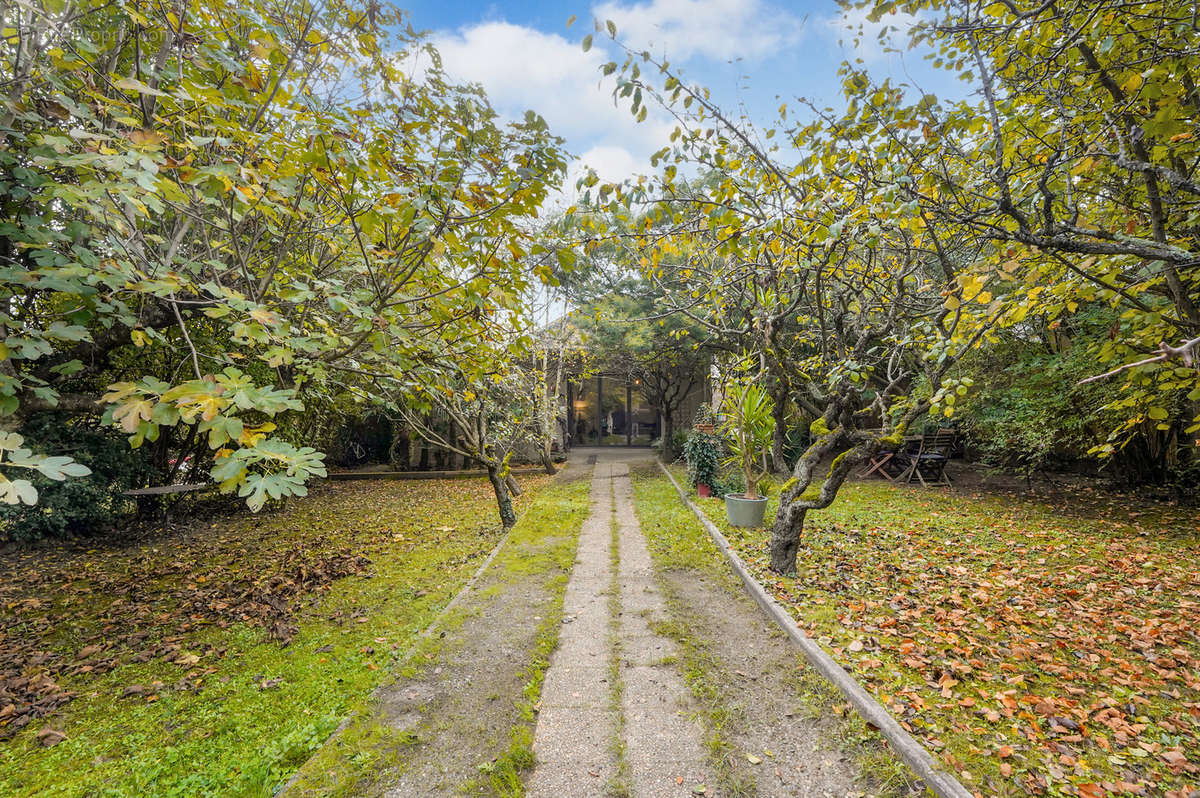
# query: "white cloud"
522,68
612,162
681,29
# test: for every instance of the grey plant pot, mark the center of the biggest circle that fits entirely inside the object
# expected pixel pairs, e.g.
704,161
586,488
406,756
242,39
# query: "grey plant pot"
745,512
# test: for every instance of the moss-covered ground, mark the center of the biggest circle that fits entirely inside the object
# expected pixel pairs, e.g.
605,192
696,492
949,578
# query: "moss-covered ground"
215,659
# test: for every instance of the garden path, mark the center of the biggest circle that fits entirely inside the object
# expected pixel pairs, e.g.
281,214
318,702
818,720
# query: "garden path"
617,717
615,714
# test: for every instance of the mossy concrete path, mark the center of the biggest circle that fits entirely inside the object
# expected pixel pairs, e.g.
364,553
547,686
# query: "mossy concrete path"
616,717
590,661
456,717
667,680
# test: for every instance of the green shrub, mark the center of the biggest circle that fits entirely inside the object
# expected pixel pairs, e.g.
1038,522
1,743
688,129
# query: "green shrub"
678,441
702,452
79,505
1028,412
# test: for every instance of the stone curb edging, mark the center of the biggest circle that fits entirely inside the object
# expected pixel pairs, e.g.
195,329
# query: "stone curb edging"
919,760
423,635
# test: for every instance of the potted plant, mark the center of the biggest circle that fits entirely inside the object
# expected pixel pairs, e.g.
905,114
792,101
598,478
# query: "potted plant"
702,452
704,420
748,427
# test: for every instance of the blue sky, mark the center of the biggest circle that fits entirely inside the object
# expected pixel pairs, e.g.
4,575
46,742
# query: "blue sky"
751,52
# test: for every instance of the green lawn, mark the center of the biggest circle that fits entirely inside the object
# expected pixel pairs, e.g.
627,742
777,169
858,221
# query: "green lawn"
1037,648
215,661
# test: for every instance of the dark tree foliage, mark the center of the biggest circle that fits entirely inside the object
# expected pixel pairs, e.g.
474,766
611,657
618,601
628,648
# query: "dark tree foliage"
83,505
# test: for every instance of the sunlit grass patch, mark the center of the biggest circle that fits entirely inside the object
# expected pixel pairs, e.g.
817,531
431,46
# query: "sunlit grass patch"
193,701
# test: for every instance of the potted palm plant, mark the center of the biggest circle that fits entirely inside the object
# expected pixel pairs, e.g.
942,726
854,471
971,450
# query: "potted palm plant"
748,427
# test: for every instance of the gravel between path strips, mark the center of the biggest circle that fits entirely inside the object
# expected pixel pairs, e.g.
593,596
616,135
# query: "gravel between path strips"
577,725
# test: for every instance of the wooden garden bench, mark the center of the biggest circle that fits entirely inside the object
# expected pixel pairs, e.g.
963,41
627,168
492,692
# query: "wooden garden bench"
163,490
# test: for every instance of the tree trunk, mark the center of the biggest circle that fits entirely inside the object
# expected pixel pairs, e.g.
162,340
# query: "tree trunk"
779,435
668,433
785,540
548,462
503,501
511,483
452,439
400,452
789,518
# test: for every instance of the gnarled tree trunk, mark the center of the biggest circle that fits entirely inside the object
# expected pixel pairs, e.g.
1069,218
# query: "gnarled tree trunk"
785,539
789,519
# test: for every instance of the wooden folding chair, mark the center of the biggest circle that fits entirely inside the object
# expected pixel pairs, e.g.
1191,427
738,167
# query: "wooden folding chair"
930,459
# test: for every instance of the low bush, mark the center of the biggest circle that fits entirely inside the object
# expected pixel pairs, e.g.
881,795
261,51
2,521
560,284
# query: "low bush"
79,505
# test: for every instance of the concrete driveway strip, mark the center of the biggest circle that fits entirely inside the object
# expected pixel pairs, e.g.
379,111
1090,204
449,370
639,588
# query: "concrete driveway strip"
576,726
662,741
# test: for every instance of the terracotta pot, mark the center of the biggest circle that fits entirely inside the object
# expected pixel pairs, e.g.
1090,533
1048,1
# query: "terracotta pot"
704,491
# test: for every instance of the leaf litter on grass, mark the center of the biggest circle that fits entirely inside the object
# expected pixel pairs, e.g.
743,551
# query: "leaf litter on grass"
75,611
1035,652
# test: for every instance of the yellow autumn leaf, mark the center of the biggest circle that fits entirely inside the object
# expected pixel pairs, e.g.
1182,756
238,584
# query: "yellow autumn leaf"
252,435
118,391
132,84
210,407
131,414
146,138
264,316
